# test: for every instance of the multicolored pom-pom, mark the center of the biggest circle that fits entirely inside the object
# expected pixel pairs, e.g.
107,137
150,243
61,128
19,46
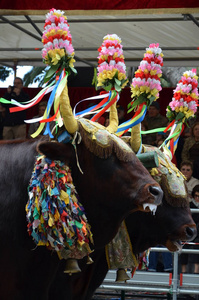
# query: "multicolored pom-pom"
56,219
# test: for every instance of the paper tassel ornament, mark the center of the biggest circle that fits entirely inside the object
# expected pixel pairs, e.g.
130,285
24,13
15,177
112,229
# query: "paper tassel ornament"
55,217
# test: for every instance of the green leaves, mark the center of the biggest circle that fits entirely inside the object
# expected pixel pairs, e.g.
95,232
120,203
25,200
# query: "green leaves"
117,81
179,116
108,86
64,63
151,99
171,115
139,100
114,83
50,73
117,87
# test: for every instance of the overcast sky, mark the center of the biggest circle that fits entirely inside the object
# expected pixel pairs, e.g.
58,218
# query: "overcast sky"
21,71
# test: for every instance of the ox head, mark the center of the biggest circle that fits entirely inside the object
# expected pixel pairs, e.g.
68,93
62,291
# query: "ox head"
170,227
113,182
172,181
173,222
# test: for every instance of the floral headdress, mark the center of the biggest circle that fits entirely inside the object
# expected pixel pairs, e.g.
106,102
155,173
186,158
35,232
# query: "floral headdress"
58,51
145,86
111,75
182,107
185,98
58,54
111,67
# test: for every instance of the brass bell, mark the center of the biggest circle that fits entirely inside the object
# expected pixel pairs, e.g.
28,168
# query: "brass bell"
89,260
72,266
121,275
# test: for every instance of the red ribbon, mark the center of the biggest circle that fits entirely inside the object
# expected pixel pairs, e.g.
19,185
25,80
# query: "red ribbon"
105,108
171,124
15,109
51,118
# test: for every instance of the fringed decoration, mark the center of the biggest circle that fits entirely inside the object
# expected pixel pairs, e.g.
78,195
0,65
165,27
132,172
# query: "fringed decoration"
119,252
56,218
170,179
102,143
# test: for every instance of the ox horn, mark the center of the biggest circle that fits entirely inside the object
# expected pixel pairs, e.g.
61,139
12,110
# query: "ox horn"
113,119
69,120
136,138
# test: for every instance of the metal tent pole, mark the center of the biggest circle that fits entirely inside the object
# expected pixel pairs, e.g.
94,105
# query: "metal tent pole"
175,275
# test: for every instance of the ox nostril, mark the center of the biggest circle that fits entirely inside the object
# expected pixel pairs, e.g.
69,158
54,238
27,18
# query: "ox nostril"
191,233
156,192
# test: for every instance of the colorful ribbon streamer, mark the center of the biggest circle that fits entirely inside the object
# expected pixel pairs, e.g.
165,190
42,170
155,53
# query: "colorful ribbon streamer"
136,119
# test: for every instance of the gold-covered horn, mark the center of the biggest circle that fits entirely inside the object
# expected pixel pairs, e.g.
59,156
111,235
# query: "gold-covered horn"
113,119
69,120
89,260
121,275
72,266
136,138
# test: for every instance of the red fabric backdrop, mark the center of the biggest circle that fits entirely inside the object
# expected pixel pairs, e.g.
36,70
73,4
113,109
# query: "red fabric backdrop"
76,94
97,5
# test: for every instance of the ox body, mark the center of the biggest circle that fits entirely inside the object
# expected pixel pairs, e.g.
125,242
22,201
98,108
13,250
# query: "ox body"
167,227
109,190
171,224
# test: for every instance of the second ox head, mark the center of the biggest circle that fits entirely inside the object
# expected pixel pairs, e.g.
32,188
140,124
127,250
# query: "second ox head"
171,227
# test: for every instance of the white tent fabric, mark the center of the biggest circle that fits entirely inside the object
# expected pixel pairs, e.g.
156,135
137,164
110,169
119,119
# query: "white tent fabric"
177,35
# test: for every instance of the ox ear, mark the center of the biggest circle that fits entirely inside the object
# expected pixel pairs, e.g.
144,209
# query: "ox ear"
55,150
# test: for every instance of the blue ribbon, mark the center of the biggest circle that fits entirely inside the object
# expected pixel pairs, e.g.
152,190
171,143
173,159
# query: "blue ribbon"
123,126
92,108
49,105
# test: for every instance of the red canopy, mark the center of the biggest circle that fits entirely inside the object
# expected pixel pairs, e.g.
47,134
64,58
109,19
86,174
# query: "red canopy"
96,7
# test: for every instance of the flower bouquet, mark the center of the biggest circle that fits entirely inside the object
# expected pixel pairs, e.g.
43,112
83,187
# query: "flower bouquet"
185,98
182,107
145,86
58,52
111,74
111,67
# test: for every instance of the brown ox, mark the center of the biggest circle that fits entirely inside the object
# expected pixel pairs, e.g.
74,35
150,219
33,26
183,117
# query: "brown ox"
171,224
168,227
113,184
